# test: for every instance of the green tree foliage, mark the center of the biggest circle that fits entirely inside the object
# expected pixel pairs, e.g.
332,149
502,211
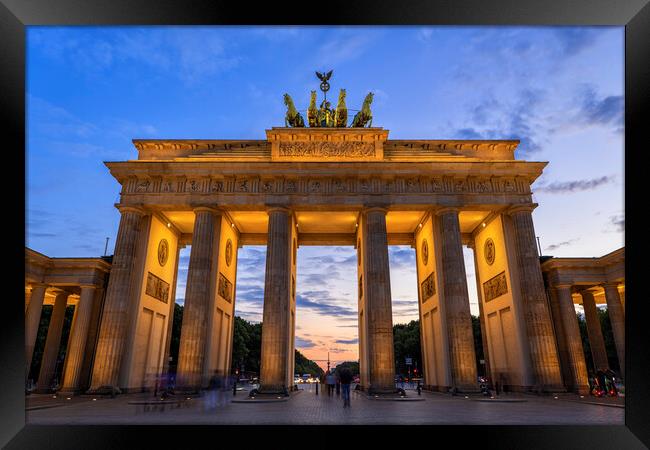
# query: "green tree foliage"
478,345
304,365
406,343
175,342
406,340
41,336
608,336
247,345
353,366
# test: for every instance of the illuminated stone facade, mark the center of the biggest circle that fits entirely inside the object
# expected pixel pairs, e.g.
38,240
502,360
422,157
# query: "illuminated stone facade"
324,186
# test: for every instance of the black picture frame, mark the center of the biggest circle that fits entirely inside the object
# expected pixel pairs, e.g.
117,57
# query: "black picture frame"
15,15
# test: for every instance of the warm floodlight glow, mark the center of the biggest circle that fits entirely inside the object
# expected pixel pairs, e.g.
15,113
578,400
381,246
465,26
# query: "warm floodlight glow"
169,225
483,224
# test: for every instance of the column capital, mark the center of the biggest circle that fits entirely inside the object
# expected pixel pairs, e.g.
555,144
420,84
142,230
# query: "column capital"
609,284
38,284
282,208
204,208
375,208
87,286
526,207
446,210
562,286
131,208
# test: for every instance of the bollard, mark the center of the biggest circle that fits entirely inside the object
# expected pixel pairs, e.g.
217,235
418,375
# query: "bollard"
234,388
317,388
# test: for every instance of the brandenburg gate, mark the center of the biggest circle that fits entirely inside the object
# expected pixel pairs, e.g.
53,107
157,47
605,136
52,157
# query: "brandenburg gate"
326,186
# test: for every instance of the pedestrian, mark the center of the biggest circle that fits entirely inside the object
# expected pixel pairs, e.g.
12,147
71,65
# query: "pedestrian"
329,379
338,383
345,377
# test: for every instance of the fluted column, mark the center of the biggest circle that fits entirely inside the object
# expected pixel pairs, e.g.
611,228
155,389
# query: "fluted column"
543,353
456,300
52,343
558,326
573,340
32,320
378,308
114,323
191,353
594,332
77,341
617,319
277,307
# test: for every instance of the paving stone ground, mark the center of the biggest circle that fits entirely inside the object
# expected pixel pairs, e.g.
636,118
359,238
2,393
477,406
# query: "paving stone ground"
307,408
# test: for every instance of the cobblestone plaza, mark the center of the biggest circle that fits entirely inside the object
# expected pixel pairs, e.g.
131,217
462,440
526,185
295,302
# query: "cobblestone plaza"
307,408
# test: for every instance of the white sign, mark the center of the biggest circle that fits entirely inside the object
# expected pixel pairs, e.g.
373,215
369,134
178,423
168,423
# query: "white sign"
409,361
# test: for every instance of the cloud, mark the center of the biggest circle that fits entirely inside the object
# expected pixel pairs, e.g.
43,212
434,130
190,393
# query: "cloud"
618,221
575,186
342,49
321,303
190,54
304,343
347,341
553,247
600,110
401,257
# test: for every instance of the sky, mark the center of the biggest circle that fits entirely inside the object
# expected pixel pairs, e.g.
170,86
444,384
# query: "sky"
91,90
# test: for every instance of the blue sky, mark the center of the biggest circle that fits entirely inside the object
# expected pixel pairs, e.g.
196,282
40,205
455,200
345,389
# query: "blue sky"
90,90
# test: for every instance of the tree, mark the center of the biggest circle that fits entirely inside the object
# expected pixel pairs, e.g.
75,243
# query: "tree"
304,365
406,343
478,344
608,337
353,366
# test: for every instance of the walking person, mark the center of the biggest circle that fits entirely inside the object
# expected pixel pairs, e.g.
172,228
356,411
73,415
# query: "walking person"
345,378
329,379
338,383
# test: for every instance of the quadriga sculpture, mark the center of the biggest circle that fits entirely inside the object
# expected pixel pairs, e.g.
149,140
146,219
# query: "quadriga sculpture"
364,116
341,119
293,117
312,112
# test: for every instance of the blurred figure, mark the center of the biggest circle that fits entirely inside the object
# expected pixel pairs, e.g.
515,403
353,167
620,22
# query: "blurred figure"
345,378
330,381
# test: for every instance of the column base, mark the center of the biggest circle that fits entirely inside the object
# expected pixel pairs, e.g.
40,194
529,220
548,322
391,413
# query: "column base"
271,390
105,390
186,390
547,389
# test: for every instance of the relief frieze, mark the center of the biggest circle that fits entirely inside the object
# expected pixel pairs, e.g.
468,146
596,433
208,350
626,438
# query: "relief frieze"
330,185
495,287
349,149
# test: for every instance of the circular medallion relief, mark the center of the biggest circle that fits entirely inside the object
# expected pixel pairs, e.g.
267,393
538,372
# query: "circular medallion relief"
228,252
163,251
489,251
425,252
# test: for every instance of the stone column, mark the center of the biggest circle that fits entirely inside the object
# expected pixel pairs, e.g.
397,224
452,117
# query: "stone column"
77,341
52,343
114,323
378,308
456,299
200,275
617,319
32,320
558,326
573,340
543,352
594,332
277,307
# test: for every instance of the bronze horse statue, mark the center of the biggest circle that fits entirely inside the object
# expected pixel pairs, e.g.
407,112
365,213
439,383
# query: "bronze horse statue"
364,116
